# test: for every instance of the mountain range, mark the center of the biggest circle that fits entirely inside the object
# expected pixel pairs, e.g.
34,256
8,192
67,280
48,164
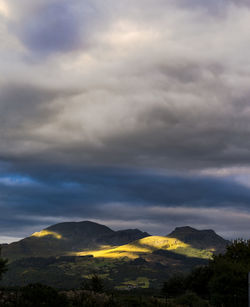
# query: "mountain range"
64,238
66,254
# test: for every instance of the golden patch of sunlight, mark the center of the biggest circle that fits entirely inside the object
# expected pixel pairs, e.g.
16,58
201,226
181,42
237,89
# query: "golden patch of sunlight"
44,233
135,249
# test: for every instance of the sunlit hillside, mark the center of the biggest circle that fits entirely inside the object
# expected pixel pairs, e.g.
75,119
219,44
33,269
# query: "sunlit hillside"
148,245
45,233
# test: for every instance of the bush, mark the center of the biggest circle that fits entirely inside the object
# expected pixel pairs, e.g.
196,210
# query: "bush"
175,286
37,295
191,300
228,284
94,284
224,281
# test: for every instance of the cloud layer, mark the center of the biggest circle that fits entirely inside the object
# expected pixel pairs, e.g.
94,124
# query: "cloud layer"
120,198
117,85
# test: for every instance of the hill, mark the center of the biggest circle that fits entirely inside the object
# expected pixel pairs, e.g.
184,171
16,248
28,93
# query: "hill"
201,239
146,246
61,239
67,254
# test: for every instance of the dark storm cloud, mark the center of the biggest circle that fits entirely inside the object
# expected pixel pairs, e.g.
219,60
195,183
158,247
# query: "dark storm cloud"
112,194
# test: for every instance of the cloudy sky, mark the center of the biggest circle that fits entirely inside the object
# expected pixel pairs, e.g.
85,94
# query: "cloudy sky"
128,113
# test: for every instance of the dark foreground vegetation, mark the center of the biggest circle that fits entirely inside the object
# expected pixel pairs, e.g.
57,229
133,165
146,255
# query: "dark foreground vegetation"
223,282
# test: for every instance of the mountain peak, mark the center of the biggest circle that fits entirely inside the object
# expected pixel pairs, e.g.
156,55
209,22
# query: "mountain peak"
80,232
202,239
185,228
68,237
189,229
82,225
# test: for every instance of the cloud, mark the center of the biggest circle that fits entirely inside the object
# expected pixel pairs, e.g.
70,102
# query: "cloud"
183,105
228,222
53,28
121,196
215,7
47,27
89,88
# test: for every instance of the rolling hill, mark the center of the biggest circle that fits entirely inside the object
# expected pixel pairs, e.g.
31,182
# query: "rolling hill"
67,254
61,239
146,246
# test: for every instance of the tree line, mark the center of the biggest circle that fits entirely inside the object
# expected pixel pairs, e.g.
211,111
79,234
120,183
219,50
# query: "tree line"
223,282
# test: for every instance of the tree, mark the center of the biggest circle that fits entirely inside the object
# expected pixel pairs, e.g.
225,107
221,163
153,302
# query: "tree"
224,281
40,296
97,283
198,281
175,286
229,279
94,284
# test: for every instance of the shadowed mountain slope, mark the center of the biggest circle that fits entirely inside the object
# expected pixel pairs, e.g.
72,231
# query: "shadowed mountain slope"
121,237
200,239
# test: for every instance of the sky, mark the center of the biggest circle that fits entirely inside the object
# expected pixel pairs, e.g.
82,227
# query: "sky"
133,114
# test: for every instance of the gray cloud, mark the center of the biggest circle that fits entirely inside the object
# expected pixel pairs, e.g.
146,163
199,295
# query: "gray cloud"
23,104
54,28
228,222
162,86
47,27
118,197
186,124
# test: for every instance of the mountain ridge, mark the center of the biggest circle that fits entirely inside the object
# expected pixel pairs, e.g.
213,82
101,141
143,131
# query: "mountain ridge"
67,254
201,239
67,237
61,238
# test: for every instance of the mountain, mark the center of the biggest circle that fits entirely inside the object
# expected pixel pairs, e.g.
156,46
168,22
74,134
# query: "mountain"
67,254
121,237
63,238
201,239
